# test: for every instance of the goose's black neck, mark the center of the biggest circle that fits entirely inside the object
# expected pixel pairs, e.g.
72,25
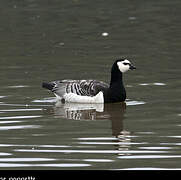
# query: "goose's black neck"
116,77
116,92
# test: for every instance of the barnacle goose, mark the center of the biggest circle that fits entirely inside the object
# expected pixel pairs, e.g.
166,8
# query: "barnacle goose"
93,91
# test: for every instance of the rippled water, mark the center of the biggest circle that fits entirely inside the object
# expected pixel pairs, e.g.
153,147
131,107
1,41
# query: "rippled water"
80,40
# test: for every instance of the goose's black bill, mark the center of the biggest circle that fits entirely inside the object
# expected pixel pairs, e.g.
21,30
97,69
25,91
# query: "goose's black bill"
132,67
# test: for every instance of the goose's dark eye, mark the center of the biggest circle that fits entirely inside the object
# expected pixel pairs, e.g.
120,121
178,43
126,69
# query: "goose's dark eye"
126,63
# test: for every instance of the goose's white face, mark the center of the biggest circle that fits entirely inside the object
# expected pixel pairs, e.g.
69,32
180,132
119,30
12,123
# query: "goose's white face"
124,65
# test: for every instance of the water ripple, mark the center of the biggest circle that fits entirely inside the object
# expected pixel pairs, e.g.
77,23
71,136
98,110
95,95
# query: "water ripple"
111,143
17,86
150,168
17,110
5,154
156,84
25,159
19,117
64,165
155,148
9,122
4,165
98,160
33,145
134,103
45,100
88,151
19,127
149,156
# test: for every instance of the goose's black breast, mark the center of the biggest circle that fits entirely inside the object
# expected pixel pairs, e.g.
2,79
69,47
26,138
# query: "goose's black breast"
114,94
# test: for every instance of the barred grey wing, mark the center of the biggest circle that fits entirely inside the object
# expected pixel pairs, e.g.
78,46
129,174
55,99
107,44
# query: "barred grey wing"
79,87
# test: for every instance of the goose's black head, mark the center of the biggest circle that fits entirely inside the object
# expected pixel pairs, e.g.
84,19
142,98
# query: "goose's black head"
122,65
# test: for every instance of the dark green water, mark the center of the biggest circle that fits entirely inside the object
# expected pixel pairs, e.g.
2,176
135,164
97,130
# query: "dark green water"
51,40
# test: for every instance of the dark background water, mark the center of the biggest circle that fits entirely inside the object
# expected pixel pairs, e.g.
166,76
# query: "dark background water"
51,40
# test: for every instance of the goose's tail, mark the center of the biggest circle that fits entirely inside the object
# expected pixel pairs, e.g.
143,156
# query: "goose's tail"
48,86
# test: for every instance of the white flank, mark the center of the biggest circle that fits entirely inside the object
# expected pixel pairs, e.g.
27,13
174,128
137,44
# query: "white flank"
74,98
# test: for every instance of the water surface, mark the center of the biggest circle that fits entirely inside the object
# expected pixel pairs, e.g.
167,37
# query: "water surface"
80,40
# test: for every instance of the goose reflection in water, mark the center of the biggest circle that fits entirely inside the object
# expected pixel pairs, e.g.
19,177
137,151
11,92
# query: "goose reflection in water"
114,112
96,112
